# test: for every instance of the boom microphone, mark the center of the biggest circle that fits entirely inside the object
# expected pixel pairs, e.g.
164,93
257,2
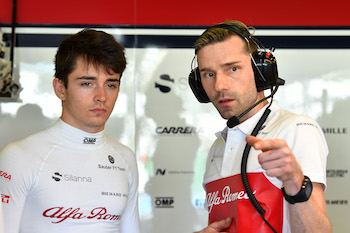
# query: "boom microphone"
233,121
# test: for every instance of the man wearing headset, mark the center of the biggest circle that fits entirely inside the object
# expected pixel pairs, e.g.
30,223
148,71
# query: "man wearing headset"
286,167
71,177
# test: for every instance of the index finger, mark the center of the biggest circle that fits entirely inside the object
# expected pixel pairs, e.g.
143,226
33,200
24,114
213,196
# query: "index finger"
265,145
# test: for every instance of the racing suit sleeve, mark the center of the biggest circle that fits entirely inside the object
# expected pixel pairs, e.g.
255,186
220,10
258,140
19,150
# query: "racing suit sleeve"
14,185
130,220
1,218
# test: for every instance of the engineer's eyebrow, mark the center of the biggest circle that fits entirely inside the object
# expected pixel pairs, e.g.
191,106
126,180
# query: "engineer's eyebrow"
227,64
204,69
230,63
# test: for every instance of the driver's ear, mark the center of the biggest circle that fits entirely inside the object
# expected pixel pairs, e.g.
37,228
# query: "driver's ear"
59,88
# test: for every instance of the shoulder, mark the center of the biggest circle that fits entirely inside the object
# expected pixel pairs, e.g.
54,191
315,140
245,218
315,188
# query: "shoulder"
286,119
294,128
23,158
122,150
30,144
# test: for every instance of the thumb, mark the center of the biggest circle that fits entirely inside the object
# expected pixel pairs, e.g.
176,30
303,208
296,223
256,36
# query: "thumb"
251,140
221,225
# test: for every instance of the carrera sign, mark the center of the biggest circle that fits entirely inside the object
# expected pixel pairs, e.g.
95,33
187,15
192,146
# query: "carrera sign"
187,130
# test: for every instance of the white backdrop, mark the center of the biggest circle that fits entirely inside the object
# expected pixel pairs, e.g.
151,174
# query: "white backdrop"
158,117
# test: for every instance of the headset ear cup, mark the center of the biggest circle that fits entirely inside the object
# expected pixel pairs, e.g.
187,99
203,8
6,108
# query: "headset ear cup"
265,70
194,80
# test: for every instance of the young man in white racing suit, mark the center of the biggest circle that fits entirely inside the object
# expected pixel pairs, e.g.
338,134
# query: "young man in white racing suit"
273,181
72,177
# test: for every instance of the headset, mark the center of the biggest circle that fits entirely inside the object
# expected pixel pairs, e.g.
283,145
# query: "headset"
266,77
263,62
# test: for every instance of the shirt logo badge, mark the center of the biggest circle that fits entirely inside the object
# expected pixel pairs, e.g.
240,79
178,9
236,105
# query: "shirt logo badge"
89,140
5,198
111,159
57,176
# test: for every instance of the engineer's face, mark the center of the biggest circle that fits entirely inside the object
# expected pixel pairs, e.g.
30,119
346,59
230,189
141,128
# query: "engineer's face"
228,77
89,98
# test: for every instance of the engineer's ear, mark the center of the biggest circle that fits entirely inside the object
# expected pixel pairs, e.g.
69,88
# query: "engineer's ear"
59,88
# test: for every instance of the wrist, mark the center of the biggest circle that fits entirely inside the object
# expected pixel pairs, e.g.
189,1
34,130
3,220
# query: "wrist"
293,185
303,194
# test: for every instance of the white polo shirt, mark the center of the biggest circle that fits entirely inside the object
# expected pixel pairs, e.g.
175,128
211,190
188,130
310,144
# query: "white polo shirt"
222,180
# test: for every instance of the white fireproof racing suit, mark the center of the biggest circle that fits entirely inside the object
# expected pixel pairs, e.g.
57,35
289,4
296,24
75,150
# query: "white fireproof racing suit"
63,179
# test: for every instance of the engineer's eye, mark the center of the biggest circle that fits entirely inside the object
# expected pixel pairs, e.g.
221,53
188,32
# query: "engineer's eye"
233,69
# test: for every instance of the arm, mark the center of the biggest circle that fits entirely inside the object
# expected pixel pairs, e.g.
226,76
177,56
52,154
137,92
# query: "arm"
1,219
217,226
278,161
130,219
310,216
13,190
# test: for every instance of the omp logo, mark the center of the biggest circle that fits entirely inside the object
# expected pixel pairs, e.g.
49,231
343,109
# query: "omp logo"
164,202
5,176
5,198
166,81
89,140
71,178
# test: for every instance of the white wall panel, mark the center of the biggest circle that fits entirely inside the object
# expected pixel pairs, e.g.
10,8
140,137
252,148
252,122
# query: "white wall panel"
158,117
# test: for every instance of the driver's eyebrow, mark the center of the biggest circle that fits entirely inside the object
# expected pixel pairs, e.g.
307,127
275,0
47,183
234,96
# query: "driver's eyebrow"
95,78
86,78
